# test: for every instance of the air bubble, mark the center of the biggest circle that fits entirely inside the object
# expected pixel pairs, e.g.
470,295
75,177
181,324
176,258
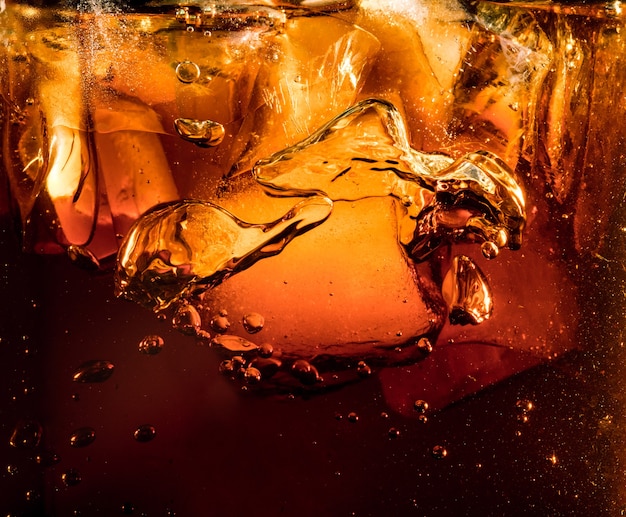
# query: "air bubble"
439,452
421,406
353,417
424,345
71,477
26,434
252,375
187,320
266,350
94,371
489,250
144,433
82,437
393,432
233,343
47,459
187,71
83,258
253,322
151,344
305,372
220,323
203,133
524,405
363,369
267,366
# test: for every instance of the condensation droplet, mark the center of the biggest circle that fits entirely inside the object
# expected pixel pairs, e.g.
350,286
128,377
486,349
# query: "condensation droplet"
144,433
421,406
71,477
26,434
95,370
220,323
151,344
305,372
187,71
439,452
424,345
233,343
353,417
187,320
82,437
203,133
253,322
363,369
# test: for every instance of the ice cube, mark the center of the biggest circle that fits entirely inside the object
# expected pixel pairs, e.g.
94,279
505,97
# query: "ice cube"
189,246
313,70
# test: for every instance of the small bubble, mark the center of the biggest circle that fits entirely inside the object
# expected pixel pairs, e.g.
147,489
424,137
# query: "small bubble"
252,375
489,250
144,433
128,508
393,432
522,418
12,470
187,320
439,452
421,406
363,370
353,417
220,323
82,437
424,345
384,414
338,416
71,477
30,101
253,322
94,371
26,434
151,344
305,372
422,418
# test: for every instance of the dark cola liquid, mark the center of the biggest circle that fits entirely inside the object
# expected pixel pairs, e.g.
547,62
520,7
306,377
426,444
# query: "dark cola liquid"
366,369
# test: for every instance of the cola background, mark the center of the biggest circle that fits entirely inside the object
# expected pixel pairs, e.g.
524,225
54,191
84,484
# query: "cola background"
223,452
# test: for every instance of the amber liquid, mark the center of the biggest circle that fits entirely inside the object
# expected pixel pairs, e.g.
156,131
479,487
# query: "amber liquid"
520,414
